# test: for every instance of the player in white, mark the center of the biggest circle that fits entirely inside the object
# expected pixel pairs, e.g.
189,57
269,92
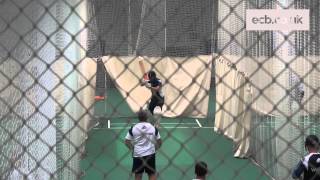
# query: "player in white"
143,139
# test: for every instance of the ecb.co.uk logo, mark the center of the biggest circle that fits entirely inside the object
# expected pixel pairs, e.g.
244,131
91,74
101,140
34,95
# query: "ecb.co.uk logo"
277,20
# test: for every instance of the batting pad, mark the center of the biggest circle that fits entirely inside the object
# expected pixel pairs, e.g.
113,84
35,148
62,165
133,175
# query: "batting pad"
157,111
186,82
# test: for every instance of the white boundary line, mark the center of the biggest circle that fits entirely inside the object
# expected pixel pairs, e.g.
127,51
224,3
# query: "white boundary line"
161,123
119,128
181,127
198,123
109,124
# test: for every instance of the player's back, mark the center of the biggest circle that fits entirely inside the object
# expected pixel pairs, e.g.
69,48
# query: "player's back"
312,171
144,139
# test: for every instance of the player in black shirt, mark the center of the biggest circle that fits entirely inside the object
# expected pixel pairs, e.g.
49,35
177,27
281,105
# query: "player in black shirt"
309,166
157,98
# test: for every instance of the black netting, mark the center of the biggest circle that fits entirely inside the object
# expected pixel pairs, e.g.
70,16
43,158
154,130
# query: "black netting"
72,81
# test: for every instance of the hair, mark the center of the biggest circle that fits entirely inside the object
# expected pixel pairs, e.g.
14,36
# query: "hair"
312,141
142,115
152,74
201,169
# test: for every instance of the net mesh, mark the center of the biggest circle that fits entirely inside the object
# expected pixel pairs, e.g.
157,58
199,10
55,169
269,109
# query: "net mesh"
263,95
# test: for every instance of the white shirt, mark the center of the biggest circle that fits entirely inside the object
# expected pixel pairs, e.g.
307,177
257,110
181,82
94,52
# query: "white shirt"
143,136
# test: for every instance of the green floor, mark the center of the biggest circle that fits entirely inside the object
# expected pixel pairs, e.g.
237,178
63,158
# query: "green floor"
108,157
184,143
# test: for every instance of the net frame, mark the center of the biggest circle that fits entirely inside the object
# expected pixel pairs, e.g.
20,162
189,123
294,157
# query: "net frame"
41,53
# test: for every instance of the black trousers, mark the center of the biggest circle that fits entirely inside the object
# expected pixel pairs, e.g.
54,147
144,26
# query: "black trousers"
155,101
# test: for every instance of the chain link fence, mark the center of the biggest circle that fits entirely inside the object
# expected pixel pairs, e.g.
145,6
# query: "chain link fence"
242,101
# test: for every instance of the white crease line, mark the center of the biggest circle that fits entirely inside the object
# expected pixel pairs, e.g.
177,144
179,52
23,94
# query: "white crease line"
198,123
109,124
161,123
187,127
116,128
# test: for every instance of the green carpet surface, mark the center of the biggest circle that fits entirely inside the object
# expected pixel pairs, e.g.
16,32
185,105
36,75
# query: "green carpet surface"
108,158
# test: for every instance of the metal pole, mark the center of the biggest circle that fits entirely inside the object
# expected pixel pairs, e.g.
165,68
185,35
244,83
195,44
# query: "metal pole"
129,30
165,26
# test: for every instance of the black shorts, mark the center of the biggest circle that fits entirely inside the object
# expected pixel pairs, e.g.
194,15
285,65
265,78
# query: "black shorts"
144,164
